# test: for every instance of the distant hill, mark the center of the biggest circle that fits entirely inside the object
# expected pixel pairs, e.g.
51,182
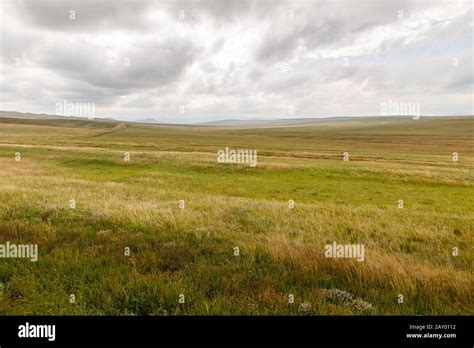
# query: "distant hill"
299,121
148,120
16,114
14,117
28,115
275,122
98,122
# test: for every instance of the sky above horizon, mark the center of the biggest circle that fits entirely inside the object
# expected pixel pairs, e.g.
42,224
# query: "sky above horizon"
194,61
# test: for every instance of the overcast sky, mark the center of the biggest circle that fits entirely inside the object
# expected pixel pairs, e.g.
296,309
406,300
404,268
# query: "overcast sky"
236,59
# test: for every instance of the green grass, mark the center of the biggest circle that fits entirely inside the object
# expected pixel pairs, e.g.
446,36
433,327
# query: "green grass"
191,251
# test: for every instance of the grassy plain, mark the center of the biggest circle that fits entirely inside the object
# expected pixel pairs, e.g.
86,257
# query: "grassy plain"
190,251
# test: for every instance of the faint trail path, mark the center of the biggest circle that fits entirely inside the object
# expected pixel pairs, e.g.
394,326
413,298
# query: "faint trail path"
116,128
103,149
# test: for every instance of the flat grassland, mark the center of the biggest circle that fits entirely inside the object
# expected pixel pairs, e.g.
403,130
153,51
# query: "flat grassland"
191,251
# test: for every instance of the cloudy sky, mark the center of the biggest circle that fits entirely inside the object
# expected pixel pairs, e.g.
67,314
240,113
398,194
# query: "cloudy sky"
193,61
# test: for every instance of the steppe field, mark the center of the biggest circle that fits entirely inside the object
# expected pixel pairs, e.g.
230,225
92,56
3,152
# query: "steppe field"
237,247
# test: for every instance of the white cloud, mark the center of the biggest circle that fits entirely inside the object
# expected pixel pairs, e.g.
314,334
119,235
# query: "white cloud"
250,59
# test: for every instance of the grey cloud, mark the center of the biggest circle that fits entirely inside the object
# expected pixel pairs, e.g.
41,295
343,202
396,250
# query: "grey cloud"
89,15
224,58
151,64
142,102
224,11
322,24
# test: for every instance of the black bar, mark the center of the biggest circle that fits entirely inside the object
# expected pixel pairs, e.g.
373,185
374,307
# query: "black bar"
314,330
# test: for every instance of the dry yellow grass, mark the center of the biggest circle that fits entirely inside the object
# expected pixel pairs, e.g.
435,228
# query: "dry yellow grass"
191,250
